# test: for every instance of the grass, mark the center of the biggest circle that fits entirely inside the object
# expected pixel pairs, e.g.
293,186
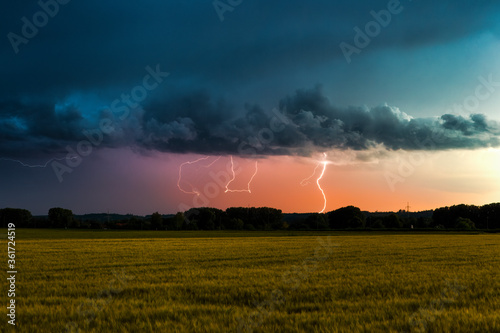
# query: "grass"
131,281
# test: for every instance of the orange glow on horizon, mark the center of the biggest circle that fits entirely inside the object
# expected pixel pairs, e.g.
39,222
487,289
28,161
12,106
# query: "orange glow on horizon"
275,182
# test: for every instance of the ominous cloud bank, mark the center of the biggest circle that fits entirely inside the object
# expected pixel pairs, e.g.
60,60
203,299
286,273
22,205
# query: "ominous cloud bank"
97,48
305,123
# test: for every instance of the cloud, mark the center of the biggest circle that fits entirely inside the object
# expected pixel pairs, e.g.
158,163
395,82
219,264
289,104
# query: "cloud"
305,123
93,45
312,124
96,48
37,129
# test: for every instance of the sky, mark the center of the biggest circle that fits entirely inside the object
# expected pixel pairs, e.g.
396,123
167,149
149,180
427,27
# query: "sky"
149,106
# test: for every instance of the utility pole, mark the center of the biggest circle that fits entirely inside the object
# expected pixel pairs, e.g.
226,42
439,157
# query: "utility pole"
408,210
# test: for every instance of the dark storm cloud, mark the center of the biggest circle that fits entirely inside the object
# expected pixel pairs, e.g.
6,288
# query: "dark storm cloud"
102,48
310,123
306,123
37,129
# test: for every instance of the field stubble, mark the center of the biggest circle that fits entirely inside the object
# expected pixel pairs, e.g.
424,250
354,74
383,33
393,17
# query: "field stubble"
360,283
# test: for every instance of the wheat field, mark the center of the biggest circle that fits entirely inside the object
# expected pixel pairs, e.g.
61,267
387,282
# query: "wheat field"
83,281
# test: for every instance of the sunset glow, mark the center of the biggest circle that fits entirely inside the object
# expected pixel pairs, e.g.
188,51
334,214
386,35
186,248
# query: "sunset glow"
308,113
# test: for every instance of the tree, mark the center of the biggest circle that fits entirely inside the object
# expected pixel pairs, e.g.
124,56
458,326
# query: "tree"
441,216
346,217
490,216
378,224
175,223
60,217
262,218
316,221
356,222
392,221
206,219
249,226
464,224
156,221
423,222
20,217
448,216
235,224
189,225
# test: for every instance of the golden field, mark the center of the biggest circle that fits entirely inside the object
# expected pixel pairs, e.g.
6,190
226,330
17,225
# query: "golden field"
84,281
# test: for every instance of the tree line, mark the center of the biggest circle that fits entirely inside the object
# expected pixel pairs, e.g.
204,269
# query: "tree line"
464,217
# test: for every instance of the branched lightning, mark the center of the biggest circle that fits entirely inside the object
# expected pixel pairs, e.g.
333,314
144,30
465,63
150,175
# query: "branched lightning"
227,189
193,191
208,166
248,190
306,181
233,175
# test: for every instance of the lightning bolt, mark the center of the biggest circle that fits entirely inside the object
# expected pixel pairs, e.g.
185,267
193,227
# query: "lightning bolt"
319,186
196,192
36,165
193,190
208,166
248,190
306,181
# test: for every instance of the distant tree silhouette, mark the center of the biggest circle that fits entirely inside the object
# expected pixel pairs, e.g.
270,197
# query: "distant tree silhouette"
346,217
189,225
465,224
461,216
235,224
262,218
489,216
378,224
392,221
317,221
447,216
133,222
60,217
22,218
249,226
412,221
423,222
205,219
356,222
156,221
175,223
